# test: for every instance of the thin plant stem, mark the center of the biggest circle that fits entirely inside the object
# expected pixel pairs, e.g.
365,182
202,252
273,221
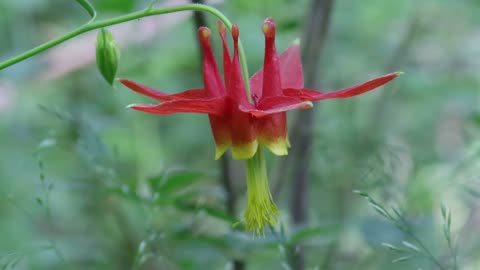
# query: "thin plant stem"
149,11
454,250
398,219
426,250
46,204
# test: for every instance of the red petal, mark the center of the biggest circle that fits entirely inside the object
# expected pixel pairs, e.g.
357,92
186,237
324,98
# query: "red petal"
303,94
256,82
291,67
212,80
143,89
220,126
243,133
313,95
271,105
227,62
291,72
235,83
272,132
161,96
272,84
215,106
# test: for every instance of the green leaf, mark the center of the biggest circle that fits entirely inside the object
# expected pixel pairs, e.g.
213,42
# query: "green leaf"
125,191
209,210
379,209
402,259
306,233
115,5
174,181
392,247
212,240
411,246
444,211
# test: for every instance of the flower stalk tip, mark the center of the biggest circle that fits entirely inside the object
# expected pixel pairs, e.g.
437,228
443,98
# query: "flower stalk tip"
222,29
268,28
204,33
235,31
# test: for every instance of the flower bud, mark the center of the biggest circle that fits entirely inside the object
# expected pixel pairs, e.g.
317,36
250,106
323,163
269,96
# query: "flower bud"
108,55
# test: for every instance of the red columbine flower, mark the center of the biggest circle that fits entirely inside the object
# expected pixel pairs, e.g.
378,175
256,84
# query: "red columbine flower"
236,122
282,79
222,102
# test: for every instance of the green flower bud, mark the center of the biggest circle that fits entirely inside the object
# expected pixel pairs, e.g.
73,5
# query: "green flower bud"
108,55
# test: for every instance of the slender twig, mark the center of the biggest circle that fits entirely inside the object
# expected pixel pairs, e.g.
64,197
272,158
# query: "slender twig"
52,243
147,12
447,232
469,230
399,220
405,227
46,204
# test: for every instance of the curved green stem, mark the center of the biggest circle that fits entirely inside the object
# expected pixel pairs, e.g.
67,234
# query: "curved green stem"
149,11
89,8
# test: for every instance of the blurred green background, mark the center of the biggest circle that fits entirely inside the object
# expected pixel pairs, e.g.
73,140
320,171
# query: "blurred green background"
88,184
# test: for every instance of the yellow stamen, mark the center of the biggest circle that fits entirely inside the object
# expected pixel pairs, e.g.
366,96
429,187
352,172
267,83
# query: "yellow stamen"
261,210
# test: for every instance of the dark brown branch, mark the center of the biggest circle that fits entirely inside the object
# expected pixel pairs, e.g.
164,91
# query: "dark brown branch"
315,34
199,20
226,178
198,16
227,183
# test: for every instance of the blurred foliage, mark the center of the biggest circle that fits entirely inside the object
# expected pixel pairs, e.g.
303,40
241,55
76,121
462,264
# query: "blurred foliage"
87,184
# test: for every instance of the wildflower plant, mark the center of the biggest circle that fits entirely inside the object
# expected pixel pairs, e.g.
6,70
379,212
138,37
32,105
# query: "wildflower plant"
415,248
247,126
245,114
